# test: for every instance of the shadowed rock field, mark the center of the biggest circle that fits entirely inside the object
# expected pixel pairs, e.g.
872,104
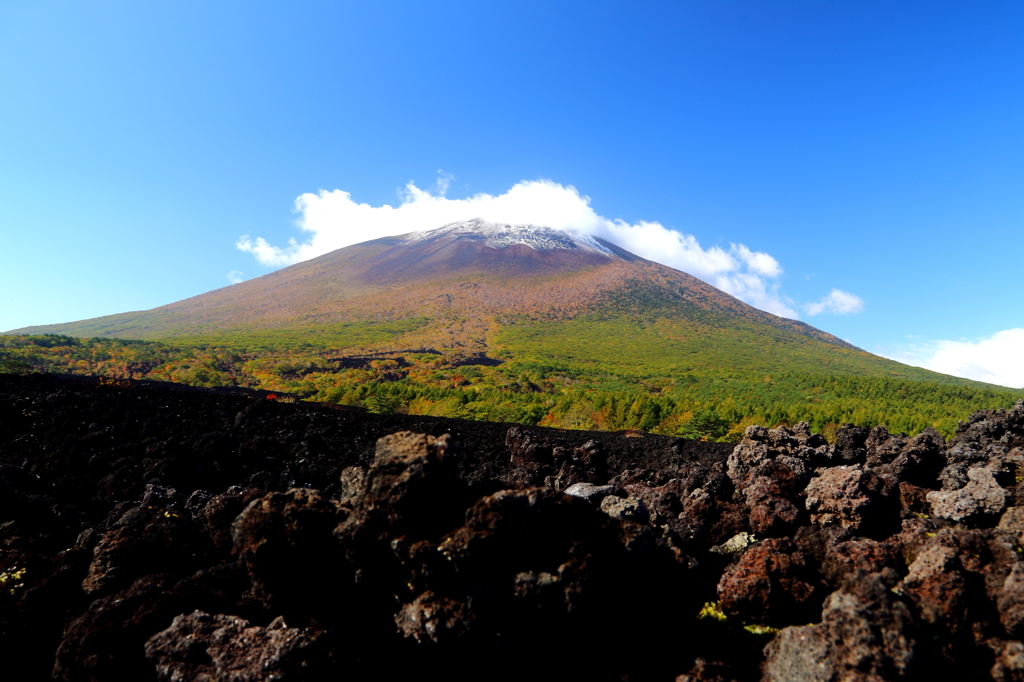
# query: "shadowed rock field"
154,532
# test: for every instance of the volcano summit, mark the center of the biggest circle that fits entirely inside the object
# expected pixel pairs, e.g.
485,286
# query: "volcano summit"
499,236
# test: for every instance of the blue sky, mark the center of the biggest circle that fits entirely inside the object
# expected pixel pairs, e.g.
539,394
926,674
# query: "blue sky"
872,148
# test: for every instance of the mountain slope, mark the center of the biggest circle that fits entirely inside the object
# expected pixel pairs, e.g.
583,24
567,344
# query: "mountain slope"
469,268
515,324
522,292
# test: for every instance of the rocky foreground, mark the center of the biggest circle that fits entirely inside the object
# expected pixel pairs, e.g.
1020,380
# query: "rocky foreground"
156,533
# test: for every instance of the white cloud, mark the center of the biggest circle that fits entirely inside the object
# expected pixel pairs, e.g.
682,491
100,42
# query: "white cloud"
837,302
758,261
996,359
235,276
332,220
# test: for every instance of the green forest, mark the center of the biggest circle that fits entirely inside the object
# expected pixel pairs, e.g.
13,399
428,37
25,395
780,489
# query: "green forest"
527,377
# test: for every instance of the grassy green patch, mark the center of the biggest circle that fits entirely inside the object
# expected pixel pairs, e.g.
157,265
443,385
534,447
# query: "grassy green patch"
666,375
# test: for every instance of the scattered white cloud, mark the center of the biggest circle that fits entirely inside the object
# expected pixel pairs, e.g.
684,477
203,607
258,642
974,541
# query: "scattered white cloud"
235,276
995,359
759,262
837,302
332,220
444,181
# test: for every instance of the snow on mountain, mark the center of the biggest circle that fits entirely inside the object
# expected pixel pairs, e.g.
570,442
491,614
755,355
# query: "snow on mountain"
500,236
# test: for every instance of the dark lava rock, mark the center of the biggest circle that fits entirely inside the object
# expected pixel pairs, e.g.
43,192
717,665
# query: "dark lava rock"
770,469
980,499
854,498
797,449
217,513
1009,660
330,542
851,444
773,583
106,642
771,495
199,646
866,633
284,541
845,558
143,541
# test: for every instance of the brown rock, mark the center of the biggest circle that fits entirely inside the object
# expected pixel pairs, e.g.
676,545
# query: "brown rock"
993,427
1009,661
434,619
547,572
883,447
1011,603
663,502
773,516
285,542
353,483
528,450
851,497
412,472
144,541
851,444
845,558
913,500
917,460
920,460
625,509
981,499
217,515
1012,522
937,584
866,634
797,449
203,648
958,579
773,583
105,642
771,493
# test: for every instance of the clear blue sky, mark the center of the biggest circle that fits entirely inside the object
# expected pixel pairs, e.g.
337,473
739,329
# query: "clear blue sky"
872,147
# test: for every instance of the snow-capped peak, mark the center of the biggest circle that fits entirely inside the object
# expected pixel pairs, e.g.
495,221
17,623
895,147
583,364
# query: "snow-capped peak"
500,236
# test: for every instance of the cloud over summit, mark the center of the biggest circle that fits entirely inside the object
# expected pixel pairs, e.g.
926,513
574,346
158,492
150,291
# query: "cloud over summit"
332,220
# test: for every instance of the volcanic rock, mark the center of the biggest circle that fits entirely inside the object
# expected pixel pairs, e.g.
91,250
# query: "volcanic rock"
594,493
774,583
1009,661
625,509
144,540
853,497
379,533
981,497
797,449
201,647
282,536
866,633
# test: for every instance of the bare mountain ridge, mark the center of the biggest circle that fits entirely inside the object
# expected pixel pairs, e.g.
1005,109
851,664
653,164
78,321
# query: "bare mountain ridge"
471,271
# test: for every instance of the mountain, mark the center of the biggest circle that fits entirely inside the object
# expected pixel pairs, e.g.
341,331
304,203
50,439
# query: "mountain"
481,287
456,272
514,323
